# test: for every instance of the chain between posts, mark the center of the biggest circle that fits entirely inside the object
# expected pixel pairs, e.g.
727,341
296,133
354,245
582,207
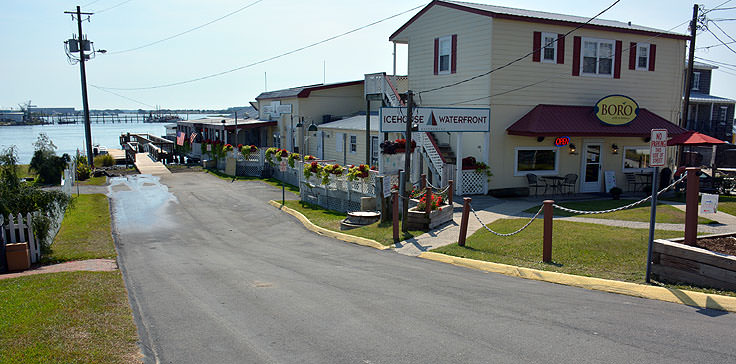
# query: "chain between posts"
622,207
509,234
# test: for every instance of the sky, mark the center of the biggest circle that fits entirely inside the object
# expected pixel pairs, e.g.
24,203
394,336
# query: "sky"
35,67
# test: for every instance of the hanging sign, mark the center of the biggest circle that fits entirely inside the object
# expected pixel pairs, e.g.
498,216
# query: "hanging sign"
616,110
708,203
562,141
432,119
658,147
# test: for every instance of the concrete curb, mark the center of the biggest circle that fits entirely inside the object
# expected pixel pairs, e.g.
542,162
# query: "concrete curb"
329,233
689,298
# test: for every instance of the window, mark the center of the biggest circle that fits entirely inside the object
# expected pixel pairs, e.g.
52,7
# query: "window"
642,56
724,112
597,57
444,54
636,159
696,81
353,144
549,50
538,160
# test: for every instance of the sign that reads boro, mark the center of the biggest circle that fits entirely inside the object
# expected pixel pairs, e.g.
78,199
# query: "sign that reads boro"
616,110
431,119
658,147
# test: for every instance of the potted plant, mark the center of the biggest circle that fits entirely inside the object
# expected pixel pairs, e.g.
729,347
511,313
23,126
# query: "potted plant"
616,193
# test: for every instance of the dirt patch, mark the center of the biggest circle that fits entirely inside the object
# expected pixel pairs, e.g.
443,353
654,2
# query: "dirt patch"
724,245
178,168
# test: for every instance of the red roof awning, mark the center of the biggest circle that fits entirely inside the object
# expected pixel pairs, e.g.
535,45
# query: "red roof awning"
694,138
565,120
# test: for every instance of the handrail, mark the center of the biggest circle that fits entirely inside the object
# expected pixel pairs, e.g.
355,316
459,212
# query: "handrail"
437,148
396,93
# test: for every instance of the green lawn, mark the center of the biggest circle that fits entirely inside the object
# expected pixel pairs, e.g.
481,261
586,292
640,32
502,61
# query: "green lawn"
641,213
85,232
271,181
95,181
75,317
23,171
328,219
726,204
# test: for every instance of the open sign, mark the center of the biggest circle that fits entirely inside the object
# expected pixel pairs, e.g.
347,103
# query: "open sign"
562,141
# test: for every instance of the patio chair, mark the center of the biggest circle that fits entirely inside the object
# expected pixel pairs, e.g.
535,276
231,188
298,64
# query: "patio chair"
569,183
533,181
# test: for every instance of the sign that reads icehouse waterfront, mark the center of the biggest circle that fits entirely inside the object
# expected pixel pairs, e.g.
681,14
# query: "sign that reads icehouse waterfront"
616,110
393,119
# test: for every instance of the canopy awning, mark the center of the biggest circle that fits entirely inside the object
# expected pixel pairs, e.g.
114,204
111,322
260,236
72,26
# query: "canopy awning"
691,137
567,120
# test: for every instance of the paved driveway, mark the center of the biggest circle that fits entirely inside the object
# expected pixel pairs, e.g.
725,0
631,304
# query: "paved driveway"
215,275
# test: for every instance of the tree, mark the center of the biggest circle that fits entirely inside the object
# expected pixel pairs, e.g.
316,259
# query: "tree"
23,198
46,163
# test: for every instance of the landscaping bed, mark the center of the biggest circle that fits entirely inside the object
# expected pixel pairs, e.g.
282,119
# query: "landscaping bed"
641,213
709,263
725,245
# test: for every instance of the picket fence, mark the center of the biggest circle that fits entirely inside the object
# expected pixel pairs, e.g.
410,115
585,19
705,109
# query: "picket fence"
20,230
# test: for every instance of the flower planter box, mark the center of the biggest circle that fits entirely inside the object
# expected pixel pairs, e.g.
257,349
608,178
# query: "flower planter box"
418,220
676,262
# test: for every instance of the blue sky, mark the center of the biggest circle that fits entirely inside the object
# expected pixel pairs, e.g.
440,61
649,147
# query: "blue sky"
34,66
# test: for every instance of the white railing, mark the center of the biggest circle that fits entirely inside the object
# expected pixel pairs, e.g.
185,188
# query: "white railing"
20,230
433,153
380,83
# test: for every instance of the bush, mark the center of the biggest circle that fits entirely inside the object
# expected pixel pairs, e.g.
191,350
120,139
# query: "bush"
48,166
104,160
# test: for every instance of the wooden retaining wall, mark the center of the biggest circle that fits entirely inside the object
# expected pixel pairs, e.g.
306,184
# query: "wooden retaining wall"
676,262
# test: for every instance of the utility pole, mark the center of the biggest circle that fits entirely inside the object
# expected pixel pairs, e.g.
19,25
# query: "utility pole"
407,160
689,77
82,42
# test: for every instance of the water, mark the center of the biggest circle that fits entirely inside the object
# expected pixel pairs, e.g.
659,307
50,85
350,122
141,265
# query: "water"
70,137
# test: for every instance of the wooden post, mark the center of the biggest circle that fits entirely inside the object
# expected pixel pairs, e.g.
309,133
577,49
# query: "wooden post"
691,205
464,221
395,215
450,192
547,240
423,178
428,199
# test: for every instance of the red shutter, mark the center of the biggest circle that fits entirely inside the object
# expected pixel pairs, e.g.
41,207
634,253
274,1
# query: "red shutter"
652,56
576,56
560,49
632,55
536,45
453,61
436,55
617,59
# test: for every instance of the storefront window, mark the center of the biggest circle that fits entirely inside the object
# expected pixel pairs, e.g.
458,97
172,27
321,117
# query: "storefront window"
636,159
536,160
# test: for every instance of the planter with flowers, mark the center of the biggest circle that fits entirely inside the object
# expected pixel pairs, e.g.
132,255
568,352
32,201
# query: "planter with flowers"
247,150
330,169
292,158
440,212
269,155
396,146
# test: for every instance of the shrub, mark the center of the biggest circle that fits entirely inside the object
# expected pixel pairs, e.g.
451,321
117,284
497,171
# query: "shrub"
104,160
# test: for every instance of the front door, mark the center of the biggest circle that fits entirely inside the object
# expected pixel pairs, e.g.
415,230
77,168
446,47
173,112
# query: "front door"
591,170
374,150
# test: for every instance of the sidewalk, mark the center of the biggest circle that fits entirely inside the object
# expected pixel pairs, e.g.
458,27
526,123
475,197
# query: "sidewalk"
490,209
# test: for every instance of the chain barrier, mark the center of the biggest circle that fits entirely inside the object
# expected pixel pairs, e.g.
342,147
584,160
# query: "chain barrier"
579,212
509,234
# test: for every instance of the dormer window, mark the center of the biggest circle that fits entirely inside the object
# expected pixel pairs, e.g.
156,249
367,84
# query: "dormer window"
696,81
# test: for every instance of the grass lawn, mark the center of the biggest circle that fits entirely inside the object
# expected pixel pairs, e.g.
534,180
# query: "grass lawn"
665,213
726,204
328,219
271,181
23,171
577,248
95,181
75,317
85,231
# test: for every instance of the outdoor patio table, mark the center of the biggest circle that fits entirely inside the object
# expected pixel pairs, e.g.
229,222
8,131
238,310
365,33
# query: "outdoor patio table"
555,182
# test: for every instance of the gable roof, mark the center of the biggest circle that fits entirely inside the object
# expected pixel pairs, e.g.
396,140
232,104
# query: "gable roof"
303,91
535,16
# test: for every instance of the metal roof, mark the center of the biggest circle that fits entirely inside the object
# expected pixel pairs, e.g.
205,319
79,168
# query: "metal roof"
698,97
229,123
352,123
303,91
541,17
565,120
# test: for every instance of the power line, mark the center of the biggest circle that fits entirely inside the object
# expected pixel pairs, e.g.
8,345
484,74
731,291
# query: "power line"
125,97
113,7
186,31
89,3
731,8
517,59
264,60
712,46
724,32
718,7
722,42
717,62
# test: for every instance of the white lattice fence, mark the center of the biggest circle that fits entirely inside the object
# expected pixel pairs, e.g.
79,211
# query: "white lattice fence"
473,183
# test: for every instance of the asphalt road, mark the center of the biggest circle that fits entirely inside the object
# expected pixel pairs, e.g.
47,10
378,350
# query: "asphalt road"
215,275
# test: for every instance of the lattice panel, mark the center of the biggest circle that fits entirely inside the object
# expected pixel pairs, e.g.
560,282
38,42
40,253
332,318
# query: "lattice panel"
474,183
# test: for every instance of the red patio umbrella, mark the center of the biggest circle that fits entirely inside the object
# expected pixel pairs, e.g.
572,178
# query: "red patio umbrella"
693,138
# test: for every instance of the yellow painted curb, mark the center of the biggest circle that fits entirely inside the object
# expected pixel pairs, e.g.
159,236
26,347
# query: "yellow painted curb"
690,298
329,233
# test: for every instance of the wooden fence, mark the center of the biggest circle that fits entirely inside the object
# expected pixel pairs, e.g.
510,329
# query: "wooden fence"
20,230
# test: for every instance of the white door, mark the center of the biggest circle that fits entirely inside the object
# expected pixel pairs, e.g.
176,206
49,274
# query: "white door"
374,150
321,144
591,170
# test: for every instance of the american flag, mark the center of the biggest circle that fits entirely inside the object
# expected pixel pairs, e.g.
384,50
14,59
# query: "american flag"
192,137
180,138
